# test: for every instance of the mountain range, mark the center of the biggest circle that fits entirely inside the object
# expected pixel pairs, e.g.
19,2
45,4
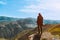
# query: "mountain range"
9,27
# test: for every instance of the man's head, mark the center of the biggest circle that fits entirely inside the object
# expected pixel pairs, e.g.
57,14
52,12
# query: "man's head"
39,14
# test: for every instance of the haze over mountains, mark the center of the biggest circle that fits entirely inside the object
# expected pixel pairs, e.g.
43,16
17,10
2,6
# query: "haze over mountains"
9,26
30,20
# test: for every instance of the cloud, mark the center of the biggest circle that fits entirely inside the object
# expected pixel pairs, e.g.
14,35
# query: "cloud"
52,5
32,9
3,3
48,8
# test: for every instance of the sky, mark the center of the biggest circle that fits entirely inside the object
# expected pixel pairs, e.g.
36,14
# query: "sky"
50,9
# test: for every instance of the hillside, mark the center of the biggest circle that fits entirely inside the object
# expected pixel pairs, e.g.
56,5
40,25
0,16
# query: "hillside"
12,28
46,28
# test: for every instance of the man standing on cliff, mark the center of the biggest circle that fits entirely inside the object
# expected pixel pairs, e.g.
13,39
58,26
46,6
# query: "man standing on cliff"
40,23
